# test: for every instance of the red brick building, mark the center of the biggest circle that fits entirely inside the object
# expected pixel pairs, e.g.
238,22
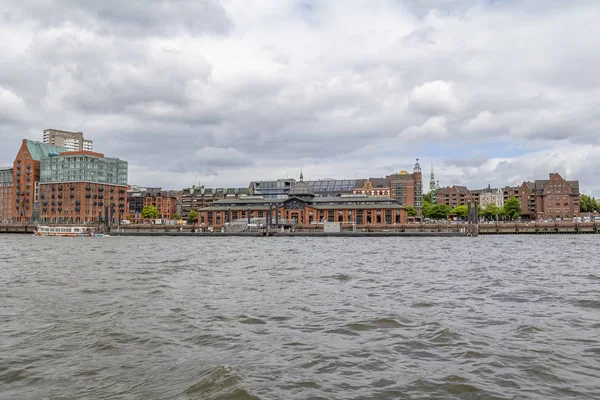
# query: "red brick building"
551,198
82,202
304,208
26,174
165,203
82,187
407,189
454,196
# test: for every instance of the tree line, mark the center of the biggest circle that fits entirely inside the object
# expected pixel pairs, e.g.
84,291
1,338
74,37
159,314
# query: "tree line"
510,211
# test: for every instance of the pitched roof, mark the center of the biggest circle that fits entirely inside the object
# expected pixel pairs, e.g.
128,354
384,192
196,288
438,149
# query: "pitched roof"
380,183
300,189
39,150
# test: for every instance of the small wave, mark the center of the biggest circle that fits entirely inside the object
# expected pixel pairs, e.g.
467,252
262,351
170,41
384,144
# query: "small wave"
92,291
423,304
221,383
339,277
444,337
342,331
280,318
588,303
526,330
307,385
13,376
252,321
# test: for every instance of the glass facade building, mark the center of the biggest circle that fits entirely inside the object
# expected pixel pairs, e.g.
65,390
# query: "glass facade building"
83,167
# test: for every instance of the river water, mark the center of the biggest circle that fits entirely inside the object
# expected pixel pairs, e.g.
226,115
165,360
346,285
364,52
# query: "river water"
504,317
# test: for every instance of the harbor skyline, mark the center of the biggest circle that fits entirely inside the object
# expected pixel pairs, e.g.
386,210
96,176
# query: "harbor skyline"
341,91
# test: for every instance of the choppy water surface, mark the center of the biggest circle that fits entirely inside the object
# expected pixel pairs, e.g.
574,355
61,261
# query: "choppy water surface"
298,318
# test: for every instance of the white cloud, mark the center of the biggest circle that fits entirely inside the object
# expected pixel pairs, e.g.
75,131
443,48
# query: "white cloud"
435,97
433,128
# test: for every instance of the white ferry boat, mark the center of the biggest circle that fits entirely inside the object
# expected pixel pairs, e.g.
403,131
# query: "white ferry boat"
72,231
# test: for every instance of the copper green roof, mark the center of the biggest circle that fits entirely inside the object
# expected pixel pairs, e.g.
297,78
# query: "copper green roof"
40,150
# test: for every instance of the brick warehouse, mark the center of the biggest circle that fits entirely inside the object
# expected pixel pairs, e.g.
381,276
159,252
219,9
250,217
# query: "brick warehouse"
26,174
82,187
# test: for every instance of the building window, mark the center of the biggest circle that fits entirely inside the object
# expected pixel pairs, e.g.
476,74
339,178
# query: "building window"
388,216
359,218
330,216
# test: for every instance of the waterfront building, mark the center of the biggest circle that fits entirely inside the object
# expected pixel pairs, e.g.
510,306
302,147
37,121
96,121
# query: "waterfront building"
305,208
432,186
552,198
454,196
136,199
509,192
6,190
195,198
73,141
407,189
276,189
26,178
526,195
377,187
82,187
489,195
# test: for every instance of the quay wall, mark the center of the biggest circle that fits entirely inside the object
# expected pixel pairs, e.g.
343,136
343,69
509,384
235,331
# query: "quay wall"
394,230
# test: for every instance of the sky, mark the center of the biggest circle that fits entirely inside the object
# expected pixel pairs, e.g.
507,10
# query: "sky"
222,93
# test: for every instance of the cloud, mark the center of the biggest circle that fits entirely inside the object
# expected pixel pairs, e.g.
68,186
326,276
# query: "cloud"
434,97
12,107
434,128
224,92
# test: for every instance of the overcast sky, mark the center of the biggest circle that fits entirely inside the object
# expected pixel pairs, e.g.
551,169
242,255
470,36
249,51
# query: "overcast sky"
225,92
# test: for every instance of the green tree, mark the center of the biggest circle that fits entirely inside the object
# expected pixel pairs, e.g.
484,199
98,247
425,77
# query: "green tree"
427,209
492,211
193,216
412,212
427,198
150,212
440,211
461,211
512,208
129,217
588,204
176,216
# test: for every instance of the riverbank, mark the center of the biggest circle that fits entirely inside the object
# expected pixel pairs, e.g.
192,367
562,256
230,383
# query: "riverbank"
409,230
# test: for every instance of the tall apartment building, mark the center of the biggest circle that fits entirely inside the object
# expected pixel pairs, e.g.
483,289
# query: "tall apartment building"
407,189
26,178
6,190
82,187
73,141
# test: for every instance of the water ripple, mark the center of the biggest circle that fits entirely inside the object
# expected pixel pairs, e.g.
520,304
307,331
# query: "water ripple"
299,318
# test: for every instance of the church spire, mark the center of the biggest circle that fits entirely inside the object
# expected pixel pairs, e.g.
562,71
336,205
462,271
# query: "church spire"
432,187
301,175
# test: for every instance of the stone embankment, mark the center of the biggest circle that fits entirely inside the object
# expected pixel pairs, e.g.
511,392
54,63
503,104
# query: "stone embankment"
416,230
